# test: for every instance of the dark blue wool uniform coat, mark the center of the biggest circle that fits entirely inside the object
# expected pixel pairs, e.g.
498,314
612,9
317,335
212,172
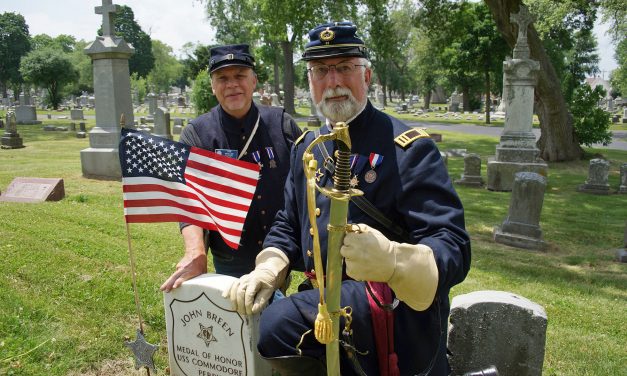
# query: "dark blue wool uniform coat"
277,130
413,189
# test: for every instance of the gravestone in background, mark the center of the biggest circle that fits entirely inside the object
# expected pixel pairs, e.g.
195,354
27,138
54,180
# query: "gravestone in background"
112,88
205,336
517,149
152,103
76,114
34,190
472,171
257,97
597,182
82,132
275,100
313,120
162,123
496,328
178,126
521,228
622,188
11,139
25,112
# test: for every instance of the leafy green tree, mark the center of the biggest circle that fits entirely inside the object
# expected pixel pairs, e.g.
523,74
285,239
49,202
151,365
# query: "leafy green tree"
558,141
51,69
14,43
592,123
82,63
274,22
63,42
618,77
202,96
167,68
614,12
142,61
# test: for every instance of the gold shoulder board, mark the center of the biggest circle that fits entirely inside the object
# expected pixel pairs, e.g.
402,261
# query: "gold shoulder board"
301,137
406,138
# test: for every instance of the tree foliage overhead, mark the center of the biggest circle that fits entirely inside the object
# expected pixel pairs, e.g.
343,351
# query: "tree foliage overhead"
14,43
167,68
142,61
51,69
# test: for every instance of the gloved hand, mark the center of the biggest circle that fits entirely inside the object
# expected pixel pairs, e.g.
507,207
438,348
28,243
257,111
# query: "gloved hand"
251,293
409,269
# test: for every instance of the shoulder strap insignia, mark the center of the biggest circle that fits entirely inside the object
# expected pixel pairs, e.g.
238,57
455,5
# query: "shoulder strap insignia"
301,137
406,138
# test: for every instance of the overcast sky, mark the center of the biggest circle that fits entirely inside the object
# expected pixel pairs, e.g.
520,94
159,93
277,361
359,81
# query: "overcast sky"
174,22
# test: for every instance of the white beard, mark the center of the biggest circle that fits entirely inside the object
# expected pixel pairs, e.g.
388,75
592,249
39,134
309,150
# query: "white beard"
339,111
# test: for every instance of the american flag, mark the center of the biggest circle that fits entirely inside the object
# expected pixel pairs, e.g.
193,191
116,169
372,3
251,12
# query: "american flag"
167,181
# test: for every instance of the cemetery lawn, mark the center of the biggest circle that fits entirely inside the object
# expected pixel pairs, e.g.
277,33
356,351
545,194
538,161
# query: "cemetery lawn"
67,299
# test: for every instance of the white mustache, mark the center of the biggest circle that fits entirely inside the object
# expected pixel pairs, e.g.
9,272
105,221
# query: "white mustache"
337,92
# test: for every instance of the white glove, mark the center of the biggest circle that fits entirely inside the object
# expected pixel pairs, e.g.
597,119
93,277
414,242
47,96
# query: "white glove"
251,293
409,269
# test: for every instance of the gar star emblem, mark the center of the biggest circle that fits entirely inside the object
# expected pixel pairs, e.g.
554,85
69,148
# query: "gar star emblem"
354,181
319,175
206,334
143,351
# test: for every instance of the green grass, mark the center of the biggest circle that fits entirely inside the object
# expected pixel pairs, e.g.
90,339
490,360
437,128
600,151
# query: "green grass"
67,300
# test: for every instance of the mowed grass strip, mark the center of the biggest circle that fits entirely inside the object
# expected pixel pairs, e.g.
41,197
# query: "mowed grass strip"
66,300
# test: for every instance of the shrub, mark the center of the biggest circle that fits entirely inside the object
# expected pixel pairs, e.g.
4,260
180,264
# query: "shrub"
591,122
202,95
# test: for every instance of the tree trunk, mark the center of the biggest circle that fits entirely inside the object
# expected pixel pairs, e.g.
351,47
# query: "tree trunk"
487,96
288,77
277,73
427,100
557,140
466,98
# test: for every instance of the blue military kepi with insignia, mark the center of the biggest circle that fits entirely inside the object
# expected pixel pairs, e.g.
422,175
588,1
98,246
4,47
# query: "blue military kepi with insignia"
334,39
229,55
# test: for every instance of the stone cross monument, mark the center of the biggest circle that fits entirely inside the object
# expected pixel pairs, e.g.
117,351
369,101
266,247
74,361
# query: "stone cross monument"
517,149
112,91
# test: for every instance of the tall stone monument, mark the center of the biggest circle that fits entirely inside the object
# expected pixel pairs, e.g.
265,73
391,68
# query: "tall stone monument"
517,149
112,91
11,139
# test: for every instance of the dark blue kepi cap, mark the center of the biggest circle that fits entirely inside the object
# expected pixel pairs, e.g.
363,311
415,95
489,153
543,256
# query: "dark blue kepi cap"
229,55
334,39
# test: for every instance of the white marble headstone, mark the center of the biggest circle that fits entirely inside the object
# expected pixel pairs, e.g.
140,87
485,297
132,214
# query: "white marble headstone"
205,336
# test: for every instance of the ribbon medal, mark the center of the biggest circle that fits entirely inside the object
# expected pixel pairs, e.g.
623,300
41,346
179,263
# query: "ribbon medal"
271,156
257,158
353,160
375,160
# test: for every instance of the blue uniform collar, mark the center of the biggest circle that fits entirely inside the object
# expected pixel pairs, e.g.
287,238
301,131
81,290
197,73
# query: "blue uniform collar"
237,126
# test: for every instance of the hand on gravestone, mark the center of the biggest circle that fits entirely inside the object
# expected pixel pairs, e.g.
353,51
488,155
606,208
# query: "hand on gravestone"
251,293
409,269
190,266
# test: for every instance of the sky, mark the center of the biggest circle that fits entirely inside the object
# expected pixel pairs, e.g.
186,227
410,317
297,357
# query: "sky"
173,22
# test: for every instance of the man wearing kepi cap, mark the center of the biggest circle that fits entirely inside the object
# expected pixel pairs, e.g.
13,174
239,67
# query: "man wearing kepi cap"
407,249
241,129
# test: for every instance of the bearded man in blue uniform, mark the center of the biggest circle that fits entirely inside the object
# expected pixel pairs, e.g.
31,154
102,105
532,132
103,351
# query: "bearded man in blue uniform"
240,129
409,249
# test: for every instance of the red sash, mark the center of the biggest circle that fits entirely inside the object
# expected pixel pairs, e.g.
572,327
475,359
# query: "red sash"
383,328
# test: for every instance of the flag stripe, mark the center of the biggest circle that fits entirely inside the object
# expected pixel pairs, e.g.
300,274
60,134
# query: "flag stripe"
211,188
221,172
225,218
231,228
185,192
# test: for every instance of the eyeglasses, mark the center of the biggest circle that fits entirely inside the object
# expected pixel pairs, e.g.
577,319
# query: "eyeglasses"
345,69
